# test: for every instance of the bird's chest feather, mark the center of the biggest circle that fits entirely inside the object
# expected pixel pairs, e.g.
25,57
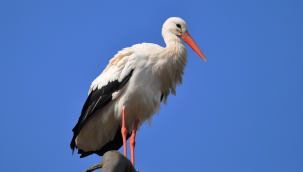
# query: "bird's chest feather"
146,88
142,97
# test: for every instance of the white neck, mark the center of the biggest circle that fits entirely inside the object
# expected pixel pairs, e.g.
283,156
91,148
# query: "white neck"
171,63
173,43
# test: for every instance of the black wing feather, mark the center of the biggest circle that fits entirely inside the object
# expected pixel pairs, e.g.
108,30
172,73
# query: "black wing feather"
96,100
161,97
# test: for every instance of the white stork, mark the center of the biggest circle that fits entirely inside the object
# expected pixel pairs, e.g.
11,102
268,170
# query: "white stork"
130,90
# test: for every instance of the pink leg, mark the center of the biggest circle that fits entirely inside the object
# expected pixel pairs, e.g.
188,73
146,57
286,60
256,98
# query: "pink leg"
132,142
124,131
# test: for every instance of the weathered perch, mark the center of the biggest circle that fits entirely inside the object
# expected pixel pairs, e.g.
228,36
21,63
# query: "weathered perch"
113,161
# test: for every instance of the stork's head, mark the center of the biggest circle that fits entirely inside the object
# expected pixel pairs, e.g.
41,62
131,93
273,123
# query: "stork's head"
175,26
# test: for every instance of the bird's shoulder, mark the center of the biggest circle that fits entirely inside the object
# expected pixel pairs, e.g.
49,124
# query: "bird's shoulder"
123,63
145,50
117,69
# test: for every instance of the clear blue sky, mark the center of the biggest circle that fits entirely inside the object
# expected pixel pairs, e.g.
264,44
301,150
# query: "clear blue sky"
240,111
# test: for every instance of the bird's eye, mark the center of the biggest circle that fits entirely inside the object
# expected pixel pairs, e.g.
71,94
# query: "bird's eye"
178,25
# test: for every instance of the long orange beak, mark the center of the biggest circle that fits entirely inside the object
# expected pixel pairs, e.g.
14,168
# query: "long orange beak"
189,40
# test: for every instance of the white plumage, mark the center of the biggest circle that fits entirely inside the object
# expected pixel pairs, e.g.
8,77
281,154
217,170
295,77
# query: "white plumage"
155,72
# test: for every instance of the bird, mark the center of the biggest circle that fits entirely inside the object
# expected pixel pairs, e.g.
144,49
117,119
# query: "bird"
130,90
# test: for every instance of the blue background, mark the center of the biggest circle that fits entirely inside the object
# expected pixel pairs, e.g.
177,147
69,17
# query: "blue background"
240,111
